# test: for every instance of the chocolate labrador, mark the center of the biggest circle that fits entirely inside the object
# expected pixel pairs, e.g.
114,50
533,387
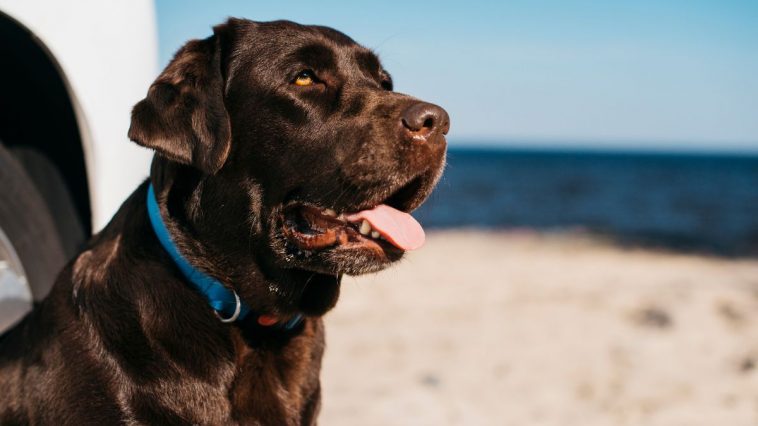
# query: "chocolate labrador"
283,160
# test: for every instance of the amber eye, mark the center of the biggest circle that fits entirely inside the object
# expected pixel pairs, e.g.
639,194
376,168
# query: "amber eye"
305,78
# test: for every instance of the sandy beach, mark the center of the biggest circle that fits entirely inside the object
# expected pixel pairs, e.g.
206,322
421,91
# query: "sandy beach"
527,329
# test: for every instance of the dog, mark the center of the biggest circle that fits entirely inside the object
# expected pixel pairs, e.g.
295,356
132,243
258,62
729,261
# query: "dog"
283,160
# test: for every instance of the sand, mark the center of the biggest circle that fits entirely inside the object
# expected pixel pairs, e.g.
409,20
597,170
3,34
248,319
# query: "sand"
525,329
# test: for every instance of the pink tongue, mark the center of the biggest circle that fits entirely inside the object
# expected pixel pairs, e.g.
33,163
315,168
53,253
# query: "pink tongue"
399,228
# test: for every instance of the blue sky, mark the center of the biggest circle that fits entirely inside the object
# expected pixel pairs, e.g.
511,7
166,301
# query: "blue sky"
614,74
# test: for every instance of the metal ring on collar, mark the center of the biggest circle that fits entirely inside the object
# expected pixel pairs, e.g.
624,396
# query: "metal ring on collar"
235,315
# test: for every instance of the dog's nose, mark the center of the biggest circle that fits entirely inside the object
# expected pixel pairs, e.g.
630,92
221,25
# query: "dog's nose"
422,120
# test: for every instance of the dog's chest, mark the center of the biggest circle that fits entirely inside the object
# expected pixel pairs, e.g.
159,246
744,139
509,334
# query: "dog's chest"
278,385
260,387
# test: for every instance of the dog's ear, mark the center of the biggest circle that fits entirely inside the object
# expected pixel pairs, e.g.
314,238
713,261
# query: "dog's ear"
183,116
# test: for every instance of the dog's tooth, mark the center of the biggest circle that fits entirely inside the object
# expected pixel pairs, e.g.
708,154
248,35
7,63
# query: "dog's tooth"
375,234
365,227
330,213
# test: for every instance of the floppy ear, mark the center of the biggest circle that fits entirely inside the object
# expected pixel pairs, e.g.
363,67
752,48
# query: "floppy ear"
183,116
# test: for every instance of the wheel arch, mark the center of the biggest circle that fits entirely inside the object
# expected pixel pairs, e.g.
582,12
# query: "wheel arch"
39,111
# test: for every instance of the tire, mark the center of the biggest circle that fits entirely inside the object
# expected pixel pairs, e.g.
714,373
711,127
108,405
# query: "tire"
52,187
28,225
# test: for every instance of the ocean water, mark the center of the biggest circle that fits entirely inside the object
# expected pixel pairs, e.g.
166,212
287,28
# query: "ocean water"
688,202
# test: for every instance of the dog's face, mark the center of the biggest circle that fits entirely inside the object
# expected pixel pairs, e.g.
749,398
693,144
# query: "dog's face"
297,139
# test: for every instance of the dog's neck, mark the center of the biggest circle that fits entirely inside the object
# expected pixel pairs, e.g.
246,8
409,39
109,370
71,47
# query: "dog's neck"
223,300
212,223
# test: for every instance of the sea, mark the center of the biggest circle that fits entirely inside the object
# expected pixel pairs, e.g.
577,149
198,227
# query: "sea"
679,201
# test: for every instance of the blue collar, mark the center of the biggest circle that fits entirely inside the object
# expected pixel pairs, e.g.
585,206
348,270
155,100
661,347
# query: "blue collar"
225,303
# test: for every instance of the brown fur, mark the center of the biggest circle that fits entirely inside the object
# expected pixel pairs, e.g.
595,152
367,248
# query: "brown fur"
123,338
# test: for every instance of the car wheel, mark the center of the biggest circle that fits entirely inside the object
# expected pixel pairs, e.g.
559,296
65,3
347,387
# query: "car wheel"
31,250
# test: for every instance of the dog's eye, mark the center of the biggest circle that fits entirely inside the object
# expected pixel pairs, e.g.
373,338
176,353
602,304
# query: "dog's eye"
304,78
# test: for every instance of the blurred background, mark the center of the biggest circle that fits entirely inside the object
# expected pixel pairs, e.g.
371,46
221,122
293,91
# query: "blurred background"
592,248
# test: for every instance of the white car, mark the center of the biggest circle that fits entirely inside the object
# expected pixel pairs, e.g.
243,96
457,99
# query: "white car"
71,71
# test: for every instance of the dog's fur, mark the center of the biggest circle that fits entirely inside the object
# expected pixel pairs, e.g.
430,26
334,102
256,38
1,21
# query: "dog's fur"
124,338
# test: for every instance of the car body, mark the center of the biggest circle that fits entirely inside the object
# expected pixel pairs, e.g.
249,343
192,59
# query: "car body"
90,61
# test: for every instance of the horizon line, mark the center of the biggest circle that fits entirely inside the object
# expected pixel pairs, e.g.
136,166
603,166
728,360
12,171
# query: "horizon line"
610,145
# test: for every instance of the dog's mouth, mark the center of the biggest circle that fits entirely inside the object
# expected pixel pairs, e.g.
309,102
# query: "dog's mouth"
382,228
385,227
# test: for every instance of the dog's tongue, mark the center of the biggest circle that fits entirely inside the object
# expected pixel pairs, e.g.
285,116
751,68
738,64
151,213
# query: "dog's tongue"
399,228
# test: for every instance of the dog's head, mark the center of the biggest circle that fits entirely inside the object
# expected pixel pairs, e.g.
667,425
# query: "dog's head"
284,146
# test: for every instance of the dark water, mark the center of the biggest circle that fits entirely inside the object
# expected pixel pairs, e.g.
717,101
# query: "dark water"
680,201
